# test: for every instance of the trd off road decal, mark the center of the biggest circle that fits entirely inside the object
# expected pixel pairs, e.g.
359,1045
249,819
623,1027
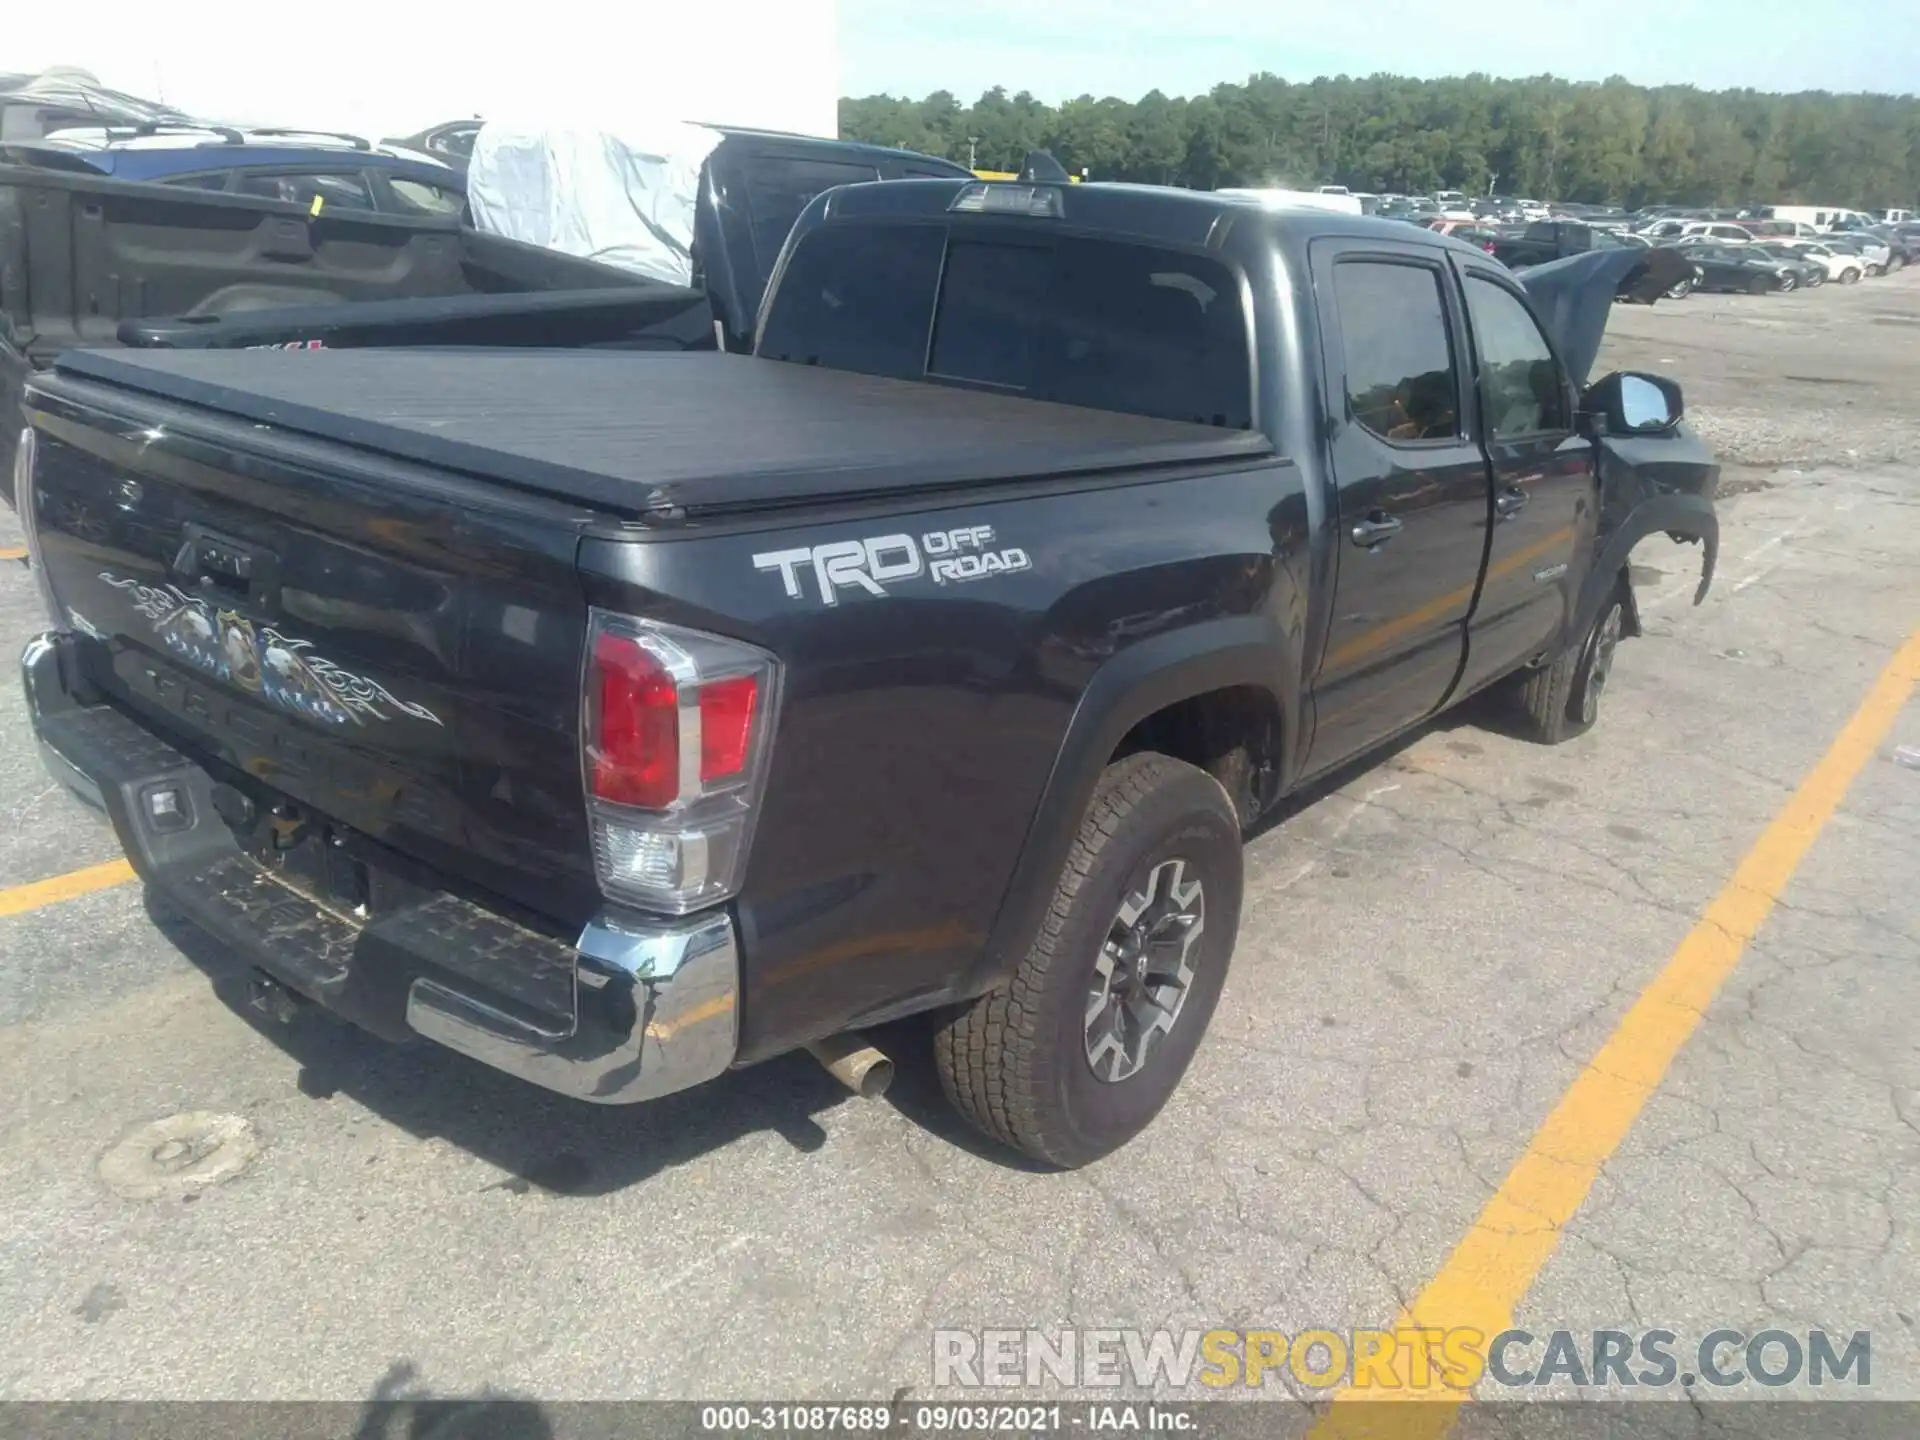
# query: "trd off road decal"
262,661
946,557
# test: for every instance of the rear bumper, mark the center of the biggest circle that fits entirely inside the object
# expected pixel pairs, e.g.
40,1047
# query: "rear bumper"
635,1009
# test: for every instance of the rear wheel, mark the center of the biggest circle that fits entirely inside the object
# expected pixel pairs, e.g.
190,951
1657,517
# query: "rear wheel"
1085,1045
1850,276
1681,291
1562,700
1787,282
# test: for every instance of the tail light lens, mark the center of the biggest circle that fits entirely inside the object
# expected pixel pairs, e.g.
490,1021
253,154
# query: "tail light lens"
676,726
26,504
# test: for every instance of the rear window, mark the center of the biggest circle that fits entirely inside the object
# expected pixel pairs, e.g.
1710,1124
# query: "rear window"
779,189
1112,326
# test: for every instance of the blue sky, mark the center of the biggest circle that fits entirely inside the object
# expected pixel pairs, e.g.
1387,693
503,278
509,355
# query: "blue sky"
1061,48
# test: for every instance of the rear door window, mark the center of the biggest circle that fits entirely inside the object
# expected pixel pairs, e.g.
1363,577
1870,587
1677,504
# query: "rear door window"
779,189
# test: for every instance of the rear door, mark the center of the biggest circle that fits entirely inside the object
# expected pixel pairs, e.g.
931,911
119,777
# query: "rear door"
1413,491
1545,490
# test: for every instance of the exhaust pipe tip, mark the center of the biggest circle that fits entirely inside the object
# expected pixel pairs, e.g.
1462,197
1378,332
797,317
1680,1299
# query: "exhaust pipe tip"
855,1062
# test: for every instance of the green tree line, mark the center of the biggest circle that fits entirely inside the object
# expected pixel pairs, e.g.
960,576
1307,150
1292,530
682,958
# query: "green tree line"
1610,142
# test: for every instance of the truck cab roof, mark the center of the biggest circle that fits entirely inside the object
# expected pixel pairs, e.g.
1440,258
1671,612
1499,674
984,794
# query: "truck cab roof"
1195,218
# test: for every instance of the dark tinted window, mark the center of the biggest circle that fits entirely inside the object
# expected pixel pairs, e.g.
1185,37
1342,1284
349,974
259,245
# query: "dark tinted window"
418,197
1085,322
858,297
1091,322
778,190
1401,380
1150,332
335,192
991,301
1518,375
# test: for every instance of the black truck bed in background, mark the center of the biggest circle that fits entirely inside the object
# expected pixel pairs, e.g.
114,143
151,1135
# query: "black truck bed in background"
636,433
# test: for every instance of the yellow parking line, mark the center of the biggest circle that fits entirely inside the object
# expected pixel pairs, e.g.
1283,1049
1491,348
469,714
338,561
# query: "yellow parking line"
1495,1265
23,898
13,552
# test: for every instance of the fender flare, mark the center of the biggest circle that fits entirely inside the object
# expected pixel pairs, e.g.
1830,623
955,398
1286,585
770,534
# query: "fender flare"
1241,650
1687,516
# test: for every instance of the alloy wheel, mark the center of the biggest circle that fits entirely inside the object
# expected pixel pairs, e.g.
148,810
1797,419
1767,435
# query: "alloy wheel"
1144,970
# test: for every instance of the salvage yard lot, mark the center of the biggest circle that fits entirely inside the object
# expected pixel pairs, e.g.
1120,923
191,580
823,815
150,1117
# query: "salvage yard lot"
1432,951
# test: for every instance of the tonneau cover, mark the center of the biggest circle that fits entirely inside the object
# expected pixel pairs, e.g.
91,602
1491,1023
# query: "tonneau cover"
658,432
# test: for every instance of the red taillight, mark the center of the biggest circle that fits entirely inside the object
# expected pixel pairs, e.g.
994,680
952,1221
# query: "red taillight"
635,745
726,726
675,729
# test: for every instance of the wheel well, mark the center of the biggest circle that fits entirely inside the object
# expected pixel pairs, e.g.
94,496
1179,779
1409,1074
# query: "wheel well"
1213,731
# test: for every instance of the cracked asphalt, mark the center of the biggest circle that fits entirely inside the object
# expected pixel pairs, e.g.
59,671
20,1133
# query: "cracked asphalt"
1432,950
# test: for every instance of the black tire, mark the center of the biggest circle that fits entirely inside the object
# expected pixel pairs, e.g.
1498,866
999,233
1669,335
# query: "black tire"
1562,700
1019,1063
1850,276
1876,270
1681,291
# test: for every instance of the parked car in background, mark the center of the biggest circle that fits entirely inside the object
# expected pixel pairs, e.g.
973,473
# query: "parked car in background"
1875,254
33,106
1781,229
451,143
1900,246
1549,240
175,266
1905,240
1895,217
314,171
1722,232
1810,271
1842,267
1739,268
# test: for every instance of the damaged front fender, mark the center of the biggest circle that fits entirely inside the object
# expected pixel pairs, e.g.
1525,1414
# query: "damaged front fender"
1649,485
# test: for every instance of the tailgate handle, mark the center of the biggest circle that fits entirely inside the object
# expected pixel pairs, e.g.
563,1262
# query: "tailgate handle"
216,562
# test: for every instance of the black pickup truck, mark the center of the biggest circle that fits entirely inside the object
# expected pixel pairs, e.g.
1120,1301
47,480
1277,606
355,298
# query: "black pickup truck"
93,262
617,719
1545,241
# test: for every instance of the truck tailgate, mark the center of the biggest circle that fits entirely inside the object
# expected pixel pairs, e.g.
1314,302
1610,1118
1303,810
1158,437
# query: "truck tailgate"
397,654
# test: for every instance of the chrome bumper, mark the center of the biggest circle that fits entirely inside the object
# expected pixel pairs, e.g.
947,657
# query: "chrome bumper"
636,1008
658,1005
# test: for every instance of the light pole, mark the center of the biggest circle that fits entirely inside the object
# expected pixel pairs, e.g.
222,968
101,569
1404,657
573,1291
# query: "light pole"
972,142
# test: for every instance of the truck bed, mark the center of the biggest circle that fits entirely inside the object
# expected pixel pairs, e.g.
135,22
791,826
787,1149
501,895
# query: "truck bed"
640,434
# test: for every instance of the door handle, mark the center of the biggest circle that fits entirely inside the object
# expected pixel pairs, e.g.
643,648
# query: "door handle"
1376,529
1509,502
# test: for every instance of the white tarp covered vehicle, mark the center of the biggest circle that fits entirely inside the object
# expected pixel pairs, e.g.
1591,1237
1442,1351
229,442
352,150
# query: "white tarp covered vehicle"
622,194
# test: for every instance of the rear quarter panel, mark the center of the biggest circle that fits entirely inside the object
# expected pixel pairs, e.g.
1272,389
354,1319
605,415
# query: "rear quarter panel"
919,728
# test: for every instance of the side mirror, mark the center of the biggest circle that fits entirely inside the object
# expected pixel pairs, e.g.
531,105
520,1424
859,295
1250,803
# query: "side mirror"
1631,403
